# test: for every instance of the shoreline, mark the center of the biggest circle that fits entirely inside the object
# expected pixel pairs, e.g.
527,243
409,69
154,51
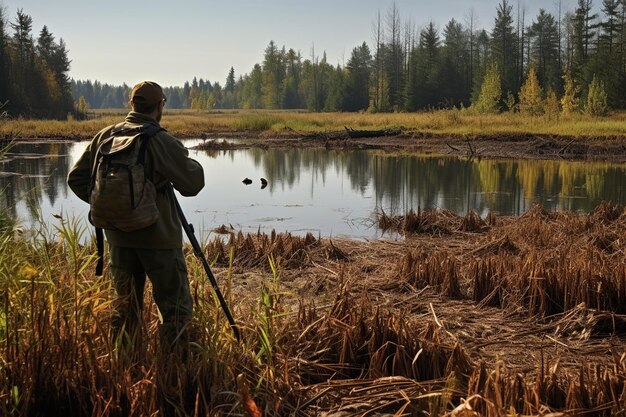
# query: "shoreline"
505,145
519,146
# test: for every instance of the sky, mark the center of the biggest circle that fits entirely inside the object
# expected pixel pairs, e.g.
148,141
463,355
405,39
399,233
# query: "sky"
170,42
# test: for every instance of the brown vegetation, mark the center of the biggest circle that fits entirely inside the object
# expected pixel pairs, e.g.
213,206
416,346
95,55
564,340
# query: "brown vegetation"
464,316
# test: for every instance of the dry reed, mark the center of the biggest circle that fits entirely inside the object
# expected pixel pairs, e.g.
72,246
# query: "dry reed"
358,355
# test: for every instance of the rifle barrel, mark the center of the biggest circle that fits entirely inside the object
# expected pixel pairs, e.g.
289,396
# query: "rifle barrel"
197,249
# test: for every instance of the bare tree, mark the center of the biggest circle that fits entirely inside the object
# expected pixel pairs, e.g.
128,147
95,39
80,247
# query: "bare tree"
559,7
378,40
395,51
470,21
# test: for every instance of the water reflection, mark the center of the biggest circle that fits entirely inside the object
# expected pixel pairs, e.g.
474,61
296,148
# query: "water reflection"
402,182
325,191
32,177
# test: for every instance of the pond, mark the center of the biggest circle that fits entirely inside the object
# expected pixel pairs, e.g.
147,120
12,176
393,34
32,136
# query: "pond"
326,192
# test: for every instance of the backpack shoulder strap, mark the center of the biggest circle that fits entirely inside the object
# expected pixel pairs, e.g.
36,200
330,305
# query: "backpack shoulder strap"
148,131
151,130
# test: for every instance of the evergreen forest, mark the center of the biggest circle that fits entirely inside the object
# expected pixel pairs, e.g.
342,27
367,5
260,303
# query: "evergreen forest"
34,80
569,60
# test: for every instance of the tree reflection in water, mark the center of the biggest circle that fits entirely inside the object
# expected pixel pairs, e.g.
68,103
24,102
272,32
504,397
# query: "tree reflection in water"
329,184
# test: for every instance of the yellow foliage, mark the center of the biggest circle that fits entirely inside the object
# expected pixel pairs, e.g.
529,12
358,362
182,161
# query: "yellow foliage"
531,95
28,272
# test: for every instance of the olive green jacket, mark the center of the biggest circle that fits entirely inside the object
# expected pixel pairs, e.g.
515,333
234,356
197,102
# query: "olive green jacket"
167,161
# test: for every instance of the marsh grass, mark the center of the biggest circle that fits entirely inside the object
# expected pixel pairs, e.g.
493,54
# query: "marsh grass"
187,123
57,356
549,263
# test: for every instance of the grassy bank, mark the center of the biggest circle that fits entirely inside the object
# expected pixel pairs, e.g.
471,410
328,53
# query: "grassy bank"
292,123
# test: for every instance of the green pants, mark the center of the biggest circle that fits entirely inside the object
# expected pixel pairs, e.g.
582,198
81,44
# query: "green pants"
170,288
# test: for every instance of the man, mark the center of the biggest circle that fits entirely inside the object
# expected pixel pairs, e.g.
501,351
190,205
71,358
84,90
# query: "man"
155,250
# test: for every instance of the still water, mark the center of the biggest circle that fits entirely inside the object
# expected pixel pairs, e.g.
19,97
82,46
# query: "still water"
331,193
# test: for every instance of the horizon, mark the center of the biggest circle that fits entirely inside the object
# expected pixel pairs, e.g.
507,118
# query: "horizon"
187,51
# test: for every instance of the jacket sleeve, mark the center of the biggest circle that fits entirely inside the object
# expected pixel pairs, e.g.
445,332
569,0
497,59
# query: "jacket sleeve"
79,177
171,162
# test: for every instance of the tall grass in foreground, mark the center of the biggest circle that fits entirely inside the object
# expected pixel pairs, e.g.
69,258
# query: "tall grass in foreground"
57,356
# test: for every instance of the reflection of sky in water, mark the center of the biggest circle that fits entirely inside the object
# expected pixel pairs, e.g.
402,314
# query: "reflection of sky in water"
315,203
332,193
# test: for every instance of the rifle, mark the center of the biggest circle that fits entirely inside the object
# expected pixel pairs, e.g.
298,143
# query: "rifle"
197,250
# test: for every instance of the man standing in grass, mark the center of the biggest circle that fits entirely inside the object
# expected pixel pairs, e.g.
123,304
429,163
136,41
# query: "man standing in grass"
154,250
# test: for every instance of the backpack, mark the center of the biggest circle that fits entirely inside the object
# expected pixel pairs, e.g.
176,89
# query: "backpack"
121,197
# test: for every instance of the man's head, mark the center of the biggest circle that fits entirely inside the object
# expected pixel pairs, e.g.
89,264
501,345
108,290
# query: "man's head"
147,98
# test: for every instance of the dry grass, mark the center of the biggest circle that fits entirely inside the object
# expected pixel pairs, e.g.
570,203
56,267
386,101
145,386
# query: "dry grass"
338,327
189,123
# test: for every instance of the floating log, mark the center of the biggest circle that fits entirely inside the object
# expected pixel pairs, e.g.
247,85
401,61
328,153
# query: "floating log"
371,133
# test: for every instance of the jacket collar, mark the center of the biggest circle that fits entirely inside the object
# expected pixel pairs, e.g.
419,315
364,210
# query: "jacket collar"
140,118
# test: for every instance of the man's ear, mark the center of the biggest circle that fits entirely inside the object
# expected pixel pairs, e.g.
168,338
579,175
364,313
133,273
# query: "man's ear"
130,104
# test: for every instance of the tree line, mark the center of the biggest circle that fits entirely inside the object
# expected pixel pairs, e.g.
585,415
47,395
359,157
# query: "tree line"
34,79
570,60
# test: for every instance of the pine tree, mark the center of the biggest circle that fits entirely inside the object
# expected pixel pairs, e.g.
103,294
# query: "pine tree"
552,108
273,76
424,87
357,80
292,96
596,98
229,100
334,99
23,72
456,68
570,101
530,95
4,61
584,26
394,59
230,81
252,94
504,47
490,91
545,44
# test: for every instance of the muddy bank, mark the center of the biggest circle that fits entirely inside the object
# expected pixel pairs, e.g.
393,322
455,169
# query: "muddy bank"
505,145
519,146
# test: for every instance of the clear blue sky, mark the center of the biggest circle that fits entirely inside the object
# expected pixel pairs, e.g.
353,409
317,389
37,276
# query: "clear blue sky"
171,42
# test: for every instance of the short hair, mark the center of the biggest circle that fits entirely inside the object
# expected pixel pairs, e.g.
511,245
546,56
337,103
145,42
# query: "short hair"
145,108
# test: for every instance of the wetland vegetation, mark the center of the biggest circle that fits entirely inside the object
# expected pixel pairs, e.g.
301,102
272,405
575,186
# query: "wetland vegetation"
463,315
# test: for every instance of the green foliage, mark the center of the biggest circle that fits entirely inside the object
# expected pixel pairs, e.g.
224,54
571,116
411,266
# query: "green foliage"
268,313
530,95
401,70
544,35
357,79
596,99
504,46
257,122
273,76
490,91
33,76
